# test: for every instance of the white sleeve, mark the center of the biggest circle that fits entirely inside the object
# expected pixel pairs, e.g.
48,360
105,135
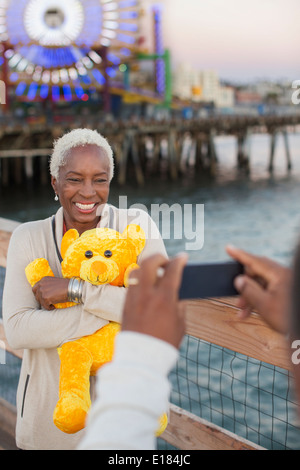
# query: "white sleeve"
26,325
132,394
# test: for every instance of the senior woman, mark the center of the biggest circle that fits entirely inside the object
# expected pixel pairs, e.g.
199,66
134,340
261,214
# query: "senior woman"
81,171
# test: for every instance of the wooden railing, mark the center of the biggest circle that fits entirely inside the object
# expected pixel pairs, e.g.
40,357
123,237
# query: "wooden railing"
215,321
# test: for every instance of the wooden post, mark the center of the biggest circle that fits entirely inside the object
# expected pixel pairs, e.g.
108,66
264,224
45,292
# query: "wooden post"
272,151
123,160
287,150
212,154
155,165
5,171
136,159
172,154
18,167
44,169
243,153
199,154
246,150
130,145
29,168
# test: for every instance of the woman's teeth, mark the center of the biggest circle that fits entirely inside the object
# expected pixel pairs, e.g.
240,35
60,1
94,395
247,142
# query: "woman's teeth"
85,207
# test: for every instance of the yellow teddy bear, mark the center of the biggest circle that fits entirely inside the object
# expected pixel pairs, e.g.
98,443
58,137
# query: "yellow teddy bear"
99,256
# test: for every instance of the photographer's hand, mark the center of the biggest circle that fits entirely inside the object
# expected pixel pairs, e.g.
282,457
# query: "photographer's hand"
152,306
265,288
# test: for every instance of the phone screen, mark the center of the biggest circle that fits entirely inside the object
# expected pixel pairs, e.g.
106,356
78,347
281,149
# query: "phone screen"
200,281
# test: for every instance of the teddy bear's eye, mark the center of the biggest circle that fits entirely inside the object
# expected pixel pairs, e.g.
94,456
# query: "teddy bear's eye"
88,254
108,254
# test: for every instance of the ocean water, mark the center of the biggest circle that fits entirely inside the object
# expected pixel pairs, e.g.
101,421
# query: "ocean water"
258,212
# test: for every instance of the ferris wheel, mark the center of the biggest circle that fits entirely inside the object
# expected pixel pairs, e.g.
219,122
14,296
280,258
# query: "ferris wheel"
53,47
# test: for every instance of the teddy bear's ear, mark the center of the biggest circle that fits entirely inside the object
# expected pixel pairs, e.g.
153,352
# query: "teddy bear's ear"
137,236
69,237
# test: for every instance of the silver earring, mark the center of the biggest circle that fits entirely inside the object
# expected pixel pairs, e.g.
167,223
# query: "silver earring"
56,198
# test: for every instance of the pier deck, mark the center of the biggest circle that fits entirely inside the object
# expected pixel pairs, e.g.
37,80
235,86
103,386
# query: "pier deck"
129,142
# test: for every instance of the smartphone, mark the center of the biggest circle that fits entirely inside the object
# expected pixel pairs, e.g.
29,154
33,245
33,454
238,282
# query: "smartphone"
200,281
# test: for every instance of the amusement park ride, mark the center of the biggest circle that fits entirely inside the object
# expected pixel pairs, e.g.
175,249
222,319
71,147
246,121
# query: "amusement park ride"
61,50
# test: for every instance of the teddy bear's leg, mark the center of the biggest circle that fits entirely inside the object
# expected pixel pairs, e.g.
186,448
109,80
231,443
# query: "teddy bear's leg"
101,345
162,424
74,388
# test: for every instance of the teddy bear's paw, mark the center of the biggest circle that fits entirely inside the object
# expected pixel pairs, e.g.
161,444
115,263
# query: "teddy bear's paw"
65,305
132,267
163,423
71,412
37,269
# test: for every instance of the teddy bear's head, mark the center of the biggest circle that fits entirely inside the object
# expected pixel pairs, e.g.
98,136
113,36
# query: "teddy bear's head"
101,255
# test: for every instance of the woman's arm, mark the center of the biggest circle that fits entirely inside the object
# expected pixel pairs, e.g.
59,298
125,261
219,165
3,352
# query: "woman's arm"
105,302
27,326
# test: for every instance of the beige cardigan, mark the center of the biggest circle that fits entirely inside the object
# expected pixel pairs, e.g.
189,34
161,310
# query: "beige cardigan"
39,332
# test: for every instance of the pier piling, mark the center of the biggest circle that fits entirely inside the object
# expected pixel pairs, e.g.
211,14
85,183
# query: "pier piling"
274,141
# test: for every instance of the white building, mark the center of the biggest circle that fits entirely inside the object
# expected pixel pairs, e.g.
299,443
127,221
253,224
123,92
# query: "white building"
185,80
201,86
225,97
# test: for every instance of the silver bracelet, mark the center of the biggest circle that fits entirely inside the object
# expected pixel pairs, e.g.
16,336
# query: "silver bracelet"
75,288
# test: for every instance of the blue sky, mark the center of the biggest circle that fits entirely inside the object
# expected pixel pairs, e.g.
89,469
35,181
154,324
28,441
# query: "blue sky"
241,39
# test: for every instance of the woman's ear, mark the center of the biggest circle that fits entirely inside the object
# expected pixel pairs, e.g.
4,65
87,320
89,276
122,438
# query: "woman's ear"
54,184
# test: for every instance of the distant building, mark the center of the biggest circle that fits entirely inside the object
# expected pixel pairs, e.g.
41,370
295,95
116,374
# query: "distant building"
203,86
266,92
210,86
186,82
248,97
225,97
213,91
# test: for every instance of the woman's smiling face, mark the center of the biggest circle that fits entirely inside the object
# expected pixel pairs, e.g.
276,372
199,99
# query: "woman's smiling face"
83,186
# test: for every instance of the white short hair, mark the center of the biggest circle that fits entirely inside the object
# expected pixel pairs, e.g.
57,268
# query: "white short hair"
78,138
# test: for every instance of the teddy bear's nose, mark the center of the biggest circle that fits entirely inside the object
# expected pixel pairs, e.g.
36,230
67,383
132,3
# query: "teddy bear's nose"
88,254
108,254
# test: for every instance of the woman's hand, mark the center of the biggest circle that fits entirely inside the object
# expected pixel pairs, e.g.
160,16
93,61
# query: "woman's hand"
265,288
152,306
50,291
